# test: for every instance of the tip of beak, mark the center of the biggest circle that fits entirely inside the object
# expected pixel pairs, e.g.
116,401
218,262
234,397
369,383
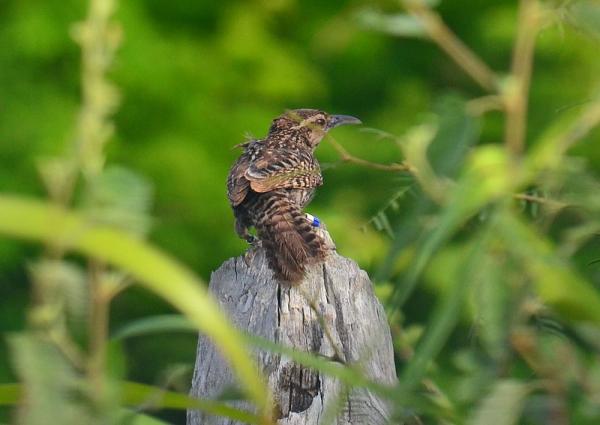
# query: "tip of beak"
344,120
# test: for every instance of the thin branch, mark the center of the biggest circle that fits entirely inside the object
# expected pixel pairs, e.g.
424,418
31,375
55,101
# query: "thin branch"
588,121
539,200
339,354
63,343
98,328
464,57
481,105
346,156
517,94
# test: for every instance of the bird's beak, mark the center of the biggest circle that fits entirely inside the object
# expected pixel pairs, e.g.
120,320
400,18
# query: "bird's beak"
337,120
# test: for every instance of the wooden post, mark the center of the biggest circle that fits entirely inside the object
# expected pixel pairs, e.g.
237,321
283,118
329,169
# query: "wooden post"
333,312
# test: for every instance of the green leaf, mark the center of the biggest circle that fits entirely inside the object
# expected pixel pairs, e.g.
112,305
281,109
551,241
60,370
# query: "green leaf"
66,280
585,15
503,406
457,132
121,198
42,222
52,386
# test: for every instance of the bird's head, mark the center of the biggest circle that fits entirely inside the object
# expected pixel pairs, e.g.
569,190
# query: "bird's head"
310,124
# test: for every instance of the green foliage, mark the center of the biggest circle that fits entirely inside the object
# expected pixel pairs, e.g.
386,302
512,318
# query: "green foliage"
473,198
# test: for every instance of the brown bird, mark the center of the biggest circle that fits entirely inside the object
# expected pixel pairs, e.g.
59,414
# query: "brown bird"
273,180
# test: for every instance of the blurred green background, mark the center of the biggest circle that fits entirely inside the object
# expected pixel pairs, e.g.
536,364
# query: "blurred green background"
195,77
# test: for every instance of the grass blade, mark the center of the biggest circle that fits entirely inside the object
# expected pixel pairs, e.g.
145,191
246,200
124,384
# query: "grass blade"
39,221
135,394
155,324
443,320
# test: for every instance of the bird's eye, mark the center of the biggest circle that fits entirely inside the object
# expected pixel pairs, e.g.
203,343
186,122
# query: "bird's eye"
321,122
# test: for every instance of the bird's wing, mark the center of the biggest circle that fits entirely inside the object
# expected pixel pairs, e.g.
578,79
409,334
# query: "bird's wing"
283,169
237,184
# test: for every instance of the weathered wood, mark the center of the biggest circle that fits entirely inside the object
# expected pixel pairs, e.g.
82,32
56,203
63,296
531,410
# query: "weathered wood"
355,331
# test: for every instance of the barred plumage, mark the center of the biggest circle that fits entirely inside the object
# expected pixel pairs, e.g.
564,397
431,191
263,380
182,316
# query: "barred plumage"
273,180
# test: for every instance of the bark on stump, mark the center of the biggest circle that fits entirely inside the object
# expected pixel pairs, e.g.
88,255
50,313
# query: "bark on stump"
356,330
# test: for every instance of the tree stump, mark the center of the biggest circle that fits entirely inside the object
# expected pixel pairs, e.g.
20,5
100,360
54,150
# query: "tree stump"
336,294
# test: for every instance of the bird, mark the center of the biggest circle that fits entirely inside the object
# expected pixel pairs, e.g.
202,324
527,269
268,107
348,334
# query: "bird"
270,184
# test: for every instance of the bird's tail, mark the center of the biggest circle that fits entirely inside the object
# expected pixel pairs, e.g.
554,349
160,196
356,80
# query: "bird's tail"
289,240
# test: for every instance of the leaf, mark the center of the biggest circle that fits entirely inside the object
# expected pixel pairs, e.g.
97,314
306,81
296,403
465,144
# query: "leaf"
457,133
503,406
585,15
414,145
385,222
65,282
121,198
39,221
52,387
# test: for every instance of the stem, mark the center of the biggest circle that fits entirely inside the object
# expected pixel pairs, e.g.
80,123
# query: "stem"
479,106
545,201
464,57
588,120
346,156
99,39
98,329
517,94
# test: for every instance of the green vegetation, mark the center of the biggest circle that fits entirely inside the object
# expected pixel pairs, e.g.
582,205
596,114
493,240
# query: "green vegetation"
472,197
